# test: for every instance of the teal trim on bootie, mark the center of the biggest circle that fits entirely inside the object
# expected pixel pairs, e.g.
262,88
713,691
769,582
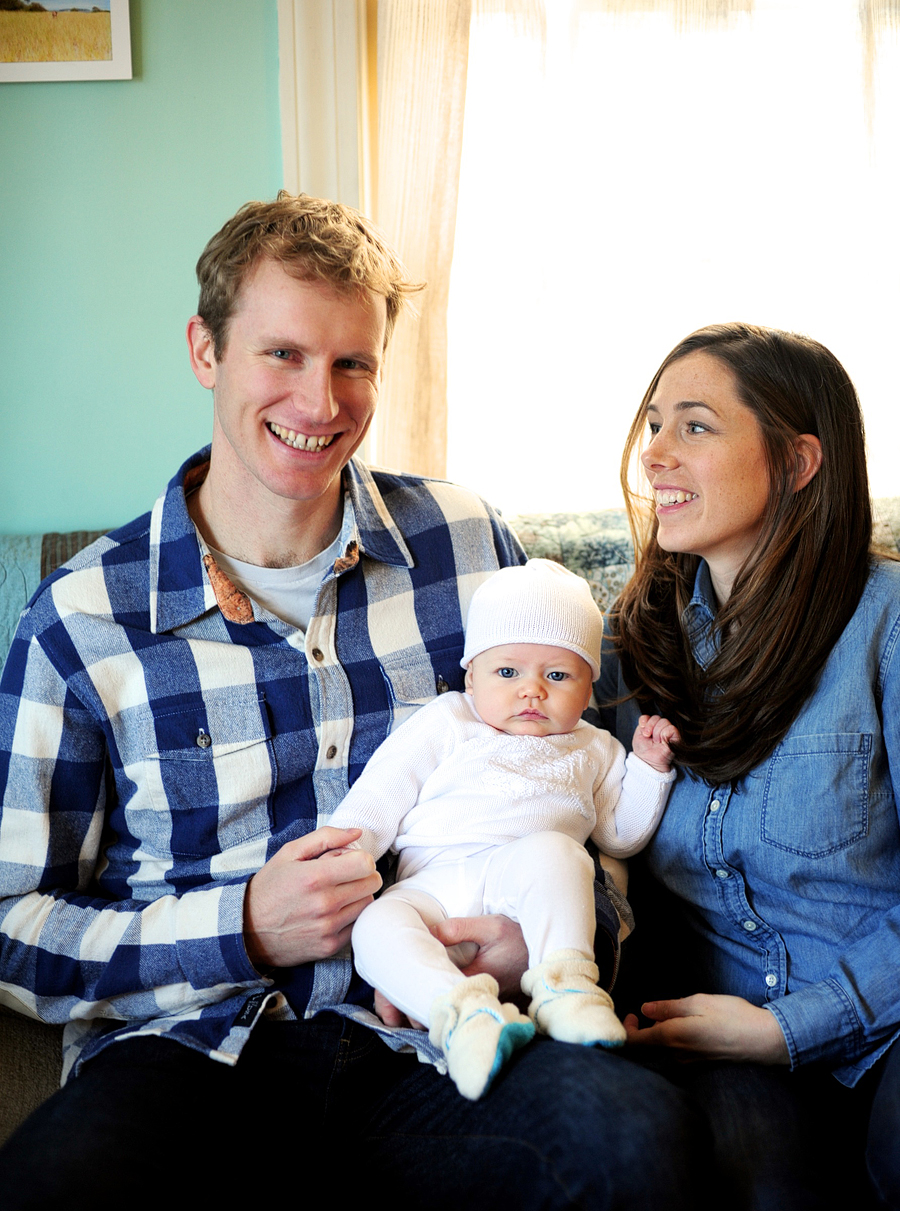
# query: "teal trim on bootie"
513,1036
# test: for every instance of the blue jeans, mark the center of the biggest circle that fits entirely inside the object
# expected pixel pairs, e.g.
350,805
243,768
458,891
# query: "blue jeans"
797,1141
562,1126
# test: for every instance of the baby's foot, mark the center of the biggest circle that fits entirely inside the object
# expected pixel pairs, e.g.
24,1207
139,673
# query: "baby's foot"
567,1003
476,1033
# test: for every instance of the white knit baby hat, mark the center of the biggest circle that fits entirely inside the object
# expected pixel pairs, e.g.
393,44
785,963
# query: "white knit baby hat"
538,602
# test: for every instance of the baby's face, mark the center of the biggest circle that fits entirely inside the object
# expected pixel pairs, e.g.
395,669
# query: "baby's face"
529,689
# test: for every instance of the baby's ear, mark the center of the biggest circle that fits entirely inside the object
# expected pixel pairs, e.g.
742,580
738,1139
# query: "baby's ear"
469,689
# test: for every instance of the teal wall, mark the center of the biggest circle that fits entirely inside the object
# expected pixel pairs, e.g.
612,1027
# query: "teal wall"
108,192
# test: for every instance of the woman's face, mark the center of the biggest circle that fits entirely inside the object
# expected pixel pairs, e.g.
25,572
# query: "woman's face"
706,463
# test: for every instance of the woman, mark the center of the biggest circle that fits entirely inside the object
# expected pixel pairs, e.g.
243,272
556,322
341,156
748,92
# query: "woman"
758,621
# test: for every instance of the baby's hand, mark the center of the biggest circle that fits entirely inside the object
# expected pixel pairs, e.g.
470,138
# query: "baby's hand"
652,737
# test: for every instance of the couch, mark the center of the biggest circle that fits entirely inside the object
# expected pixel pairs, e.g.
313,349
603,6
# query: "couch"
595,545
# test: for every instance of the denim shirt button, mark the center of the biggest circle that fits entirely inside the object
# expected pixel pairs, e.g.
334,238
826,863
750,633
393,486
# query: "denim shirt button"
722,874
771,980
715,805
749,926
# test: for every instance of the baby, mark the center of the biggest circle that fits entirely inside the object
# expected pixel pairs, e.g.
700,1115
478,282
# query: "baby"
488,797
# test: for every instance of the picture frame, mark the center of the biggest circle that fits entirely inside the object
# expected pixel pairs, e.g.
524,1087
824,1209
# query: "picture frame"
117,67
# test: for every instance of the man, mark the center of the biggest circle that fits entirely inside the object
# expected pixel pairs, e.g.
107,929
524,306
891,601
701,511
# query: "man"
183,707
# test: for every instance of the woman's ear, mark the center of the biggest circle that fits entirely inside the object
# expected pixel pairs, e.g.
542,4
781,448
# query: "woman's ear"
809,458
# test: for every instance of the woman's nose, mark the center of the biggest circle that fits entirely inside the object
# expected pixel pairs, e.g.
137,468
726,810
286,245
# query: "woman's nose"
658,452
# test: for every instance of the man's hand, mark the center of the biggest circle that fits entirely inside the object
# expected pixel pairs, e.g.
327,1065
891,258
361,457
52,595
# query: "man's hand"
500,948
301,905
496,946
712,1028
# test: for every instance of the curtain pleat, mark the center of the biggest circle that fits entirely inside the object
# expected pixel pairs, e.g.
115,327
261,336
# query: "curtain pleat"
422,55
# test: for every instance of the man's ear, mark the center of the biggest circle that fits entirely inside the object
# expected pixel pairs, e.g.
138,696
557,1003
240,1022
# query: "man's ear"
469,689
809,458
200,347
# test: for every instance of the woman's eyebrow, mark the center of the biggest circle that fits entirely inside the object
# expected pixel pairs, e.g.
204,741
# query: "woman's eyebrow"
684,404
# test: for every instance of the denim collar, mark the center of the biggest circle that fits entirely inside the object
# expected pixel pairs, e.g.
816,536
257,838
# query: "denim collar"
698,618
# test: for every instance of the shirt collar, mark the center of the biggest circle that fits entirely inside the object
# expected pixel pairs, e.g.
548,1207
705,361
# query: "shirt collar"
699,616
184,580
373,527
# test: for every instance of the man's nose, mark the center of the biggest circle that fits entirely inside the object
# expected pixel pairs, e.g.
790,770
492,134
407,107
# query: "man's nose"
314,399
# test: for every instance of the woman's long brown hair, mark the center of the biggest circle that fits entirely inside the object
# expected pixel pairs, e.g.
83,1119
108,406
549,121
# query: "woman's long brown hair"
797,589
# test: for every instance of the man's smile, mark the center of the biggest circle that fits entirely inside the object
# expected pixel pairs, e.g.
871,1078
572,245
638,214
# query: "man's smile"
300,441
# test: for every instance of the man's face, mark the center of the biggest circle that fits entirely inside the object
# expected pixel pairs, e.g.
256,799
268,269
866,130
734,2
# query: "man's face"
296,386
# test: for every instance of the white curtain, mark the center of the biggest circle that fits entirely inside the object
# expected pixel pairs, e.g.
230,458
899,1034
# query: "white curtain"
422,55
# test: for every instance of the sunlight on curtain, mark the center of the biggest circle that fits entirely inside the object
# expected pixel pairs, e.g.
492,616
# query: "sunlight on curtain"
422,51
634,169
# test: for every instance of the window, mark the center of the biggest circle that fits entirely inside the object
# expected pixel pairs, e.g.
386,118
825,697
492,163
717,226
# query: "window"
635,169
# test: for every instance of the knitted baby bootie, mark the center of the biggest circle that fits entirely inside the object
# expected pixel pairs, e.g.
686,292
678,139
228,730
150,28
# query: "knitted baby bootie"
476,1033
568,1004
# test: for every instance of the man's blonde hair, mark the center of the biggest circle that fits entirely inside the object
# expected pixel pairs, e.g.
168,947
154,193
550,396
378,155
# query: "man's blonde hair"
312,239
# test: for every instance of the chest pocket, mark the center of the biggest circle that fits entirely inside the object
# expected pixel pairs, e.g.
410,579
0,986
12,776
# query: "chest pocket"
211,779
816,798
414,680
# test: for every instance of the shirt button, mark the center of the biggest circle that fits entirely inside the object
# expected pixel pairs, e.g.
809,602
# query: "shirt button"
331,751
317,654
722,874
204,740
441,686
771,980
749,926
715,805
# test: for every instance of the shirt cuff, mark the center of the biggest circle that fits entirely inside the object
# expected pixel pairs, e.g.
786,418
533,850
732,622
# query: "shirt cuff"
819,1023
637,765
210,937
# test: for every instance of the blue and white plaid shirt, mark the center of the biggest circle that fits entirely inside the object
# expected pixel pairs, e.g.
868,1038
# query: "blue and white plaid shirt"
161,736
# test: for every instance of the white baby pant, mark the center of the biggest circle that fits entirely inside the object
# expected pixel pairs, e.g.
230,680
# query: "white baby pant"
545,881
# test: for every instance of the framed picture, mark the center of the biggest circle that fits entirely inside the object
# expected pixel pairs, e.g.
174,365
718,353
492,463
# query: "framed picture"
64,40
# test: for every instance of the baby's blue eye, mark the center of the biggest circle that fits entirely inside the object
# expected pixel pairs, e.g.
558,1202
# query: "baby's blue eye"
557,675
506,672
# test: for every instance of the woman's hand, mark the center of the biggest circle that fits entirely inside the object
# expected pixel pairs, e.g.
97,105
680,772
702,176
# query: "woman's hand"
706,1027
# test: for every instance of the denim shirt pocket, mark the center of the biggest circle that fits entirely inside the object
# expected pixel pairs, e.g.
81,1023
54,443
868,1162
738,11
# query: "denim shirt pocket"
210,785
816,797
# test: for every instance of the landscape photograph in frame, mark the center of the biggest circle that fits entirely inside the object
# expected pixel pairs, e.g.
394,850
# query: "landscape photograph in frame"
64,40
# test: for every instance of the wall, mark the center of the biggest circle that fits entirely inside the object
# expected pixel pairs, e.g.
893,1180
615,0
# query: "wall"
108,192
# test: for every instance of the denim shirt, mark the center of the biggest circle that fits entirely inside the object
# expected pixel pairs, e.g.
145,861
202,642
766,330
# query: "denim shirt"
791,879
